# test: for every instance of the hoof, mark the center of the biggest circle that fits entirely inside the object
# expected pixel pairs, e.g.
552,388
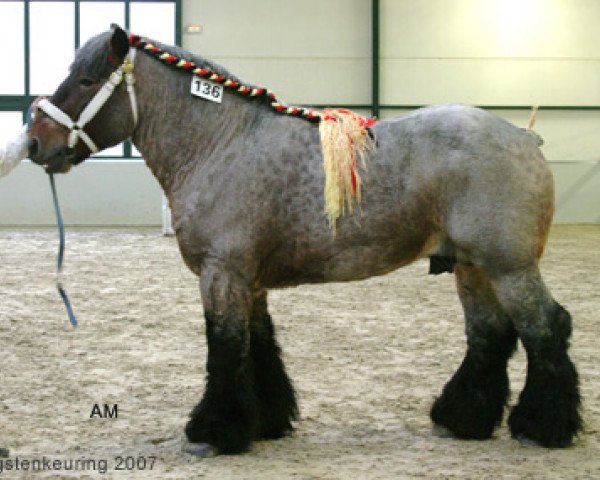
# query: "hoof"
527,442
4,452
202,450
441,432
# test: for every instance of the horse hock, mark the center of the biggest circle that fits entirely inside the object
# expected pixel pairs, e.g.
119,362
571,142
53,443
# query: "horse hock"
548,409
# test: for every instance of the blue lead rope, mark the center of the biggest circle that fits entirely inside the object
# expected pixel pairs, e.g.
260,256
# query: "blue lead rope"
61,253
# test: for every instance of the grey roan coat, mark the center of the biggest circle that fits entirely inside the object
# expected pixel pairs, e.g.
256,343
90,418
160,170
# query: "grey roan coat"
246,190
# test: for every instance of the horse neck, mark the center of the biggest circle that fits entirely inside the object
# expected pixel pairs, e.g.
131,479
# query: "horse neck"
177,132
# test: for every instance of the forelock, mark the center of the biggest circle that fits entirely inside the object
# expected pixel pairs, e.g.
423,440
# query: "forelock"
91,58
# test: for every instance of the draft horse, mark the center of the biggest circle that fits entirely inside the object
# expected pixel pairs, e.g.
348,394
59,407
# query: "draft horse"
246,187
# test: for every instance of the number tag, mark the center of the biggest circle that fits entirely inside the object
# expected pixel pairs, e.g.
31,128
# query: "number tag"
207,89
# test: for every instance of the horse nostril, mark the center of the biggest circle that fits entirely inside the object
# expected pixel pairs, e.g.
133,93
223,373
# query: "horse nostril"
33,146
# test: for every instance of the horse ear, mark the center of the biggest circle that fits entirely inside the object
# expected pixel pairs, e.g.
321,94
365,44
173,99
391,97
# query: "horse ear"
119,43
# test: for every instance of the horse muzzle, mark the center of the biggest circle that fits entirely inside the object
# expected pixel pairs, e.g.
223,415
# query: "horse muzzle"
58,159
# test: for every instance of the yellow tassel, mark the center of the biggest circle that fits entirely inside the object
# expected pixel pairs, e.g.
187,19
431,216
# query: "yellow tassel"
344,142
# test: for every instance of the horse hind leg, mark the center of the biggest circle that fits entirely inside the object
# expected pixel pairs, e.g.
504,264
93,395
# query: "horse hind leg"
472,402
276,396
548,409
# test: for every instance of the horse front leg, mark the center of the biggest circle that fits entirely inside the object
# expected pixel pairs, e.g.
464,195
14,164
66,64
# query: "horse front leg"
275,392
226,419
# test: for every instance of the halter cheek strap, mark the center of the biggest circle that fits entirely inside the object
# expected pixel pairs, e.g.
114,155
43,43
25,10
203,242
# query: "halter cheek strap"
89,112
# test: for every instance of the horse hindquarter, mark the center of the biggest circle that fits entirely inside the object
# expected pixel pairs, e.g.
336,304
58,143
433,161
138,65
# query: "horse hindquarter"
498,215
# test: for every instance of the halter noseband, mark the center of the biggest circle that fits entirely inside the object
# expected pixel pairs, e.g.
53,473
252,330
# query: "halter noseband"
89,112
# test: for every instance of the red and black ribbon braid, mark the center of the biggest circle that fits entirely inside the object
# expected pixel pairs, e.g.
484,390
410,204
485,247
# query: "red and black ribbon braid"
233,85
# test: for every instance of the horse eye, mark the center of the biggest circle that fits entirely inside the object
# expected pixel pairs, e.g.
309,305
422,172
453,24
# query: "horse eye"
86,82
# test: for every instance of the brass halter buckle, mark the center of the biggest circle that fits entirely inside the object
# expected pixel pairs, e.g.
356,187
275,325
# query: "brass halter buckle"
127,66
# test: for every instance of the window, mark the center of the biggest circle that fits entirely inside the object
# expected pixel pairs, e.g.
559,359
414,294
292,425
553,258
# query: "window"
96,17
147,19
42,50
11,20
51,47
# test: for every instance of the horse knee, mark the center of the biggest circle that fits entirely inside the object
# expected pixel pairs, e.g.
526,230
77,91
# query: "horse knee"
225,300
227,318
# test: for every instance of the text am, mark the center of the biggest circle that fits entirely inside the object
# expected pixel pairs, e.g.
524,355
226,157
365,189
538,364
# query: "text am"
105,411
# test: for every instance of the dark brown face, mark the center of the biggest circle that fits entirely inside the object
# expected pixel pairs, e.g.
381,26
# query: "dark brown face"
48,139
48,144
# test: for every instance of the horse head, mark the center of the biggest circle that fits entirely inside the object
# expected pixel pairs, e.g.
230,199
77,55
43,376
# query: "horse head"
90,110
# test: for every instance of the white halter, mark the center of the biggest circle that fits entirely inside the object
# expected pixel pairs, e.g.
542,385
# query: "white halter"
76,128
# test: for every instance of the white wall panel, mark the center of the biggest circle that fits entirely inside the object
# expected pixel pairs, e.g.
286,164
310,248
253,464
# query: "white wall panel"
275,28
307,52
98,192
577,192
490,28
490,81
307,81
491,52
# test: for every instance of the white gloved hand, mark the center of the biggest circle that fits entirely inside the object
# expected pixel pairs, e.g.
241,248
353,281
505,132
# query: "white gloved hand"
12,153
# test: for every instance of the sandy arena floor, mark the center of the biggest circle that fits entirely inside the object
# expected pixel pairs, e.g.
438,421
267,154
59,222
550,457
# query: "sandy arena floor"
367,359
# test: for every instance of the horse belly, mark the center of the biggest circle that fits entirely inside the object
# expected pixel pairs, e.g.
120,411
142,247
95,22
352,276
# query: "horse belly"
364,261
347,263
